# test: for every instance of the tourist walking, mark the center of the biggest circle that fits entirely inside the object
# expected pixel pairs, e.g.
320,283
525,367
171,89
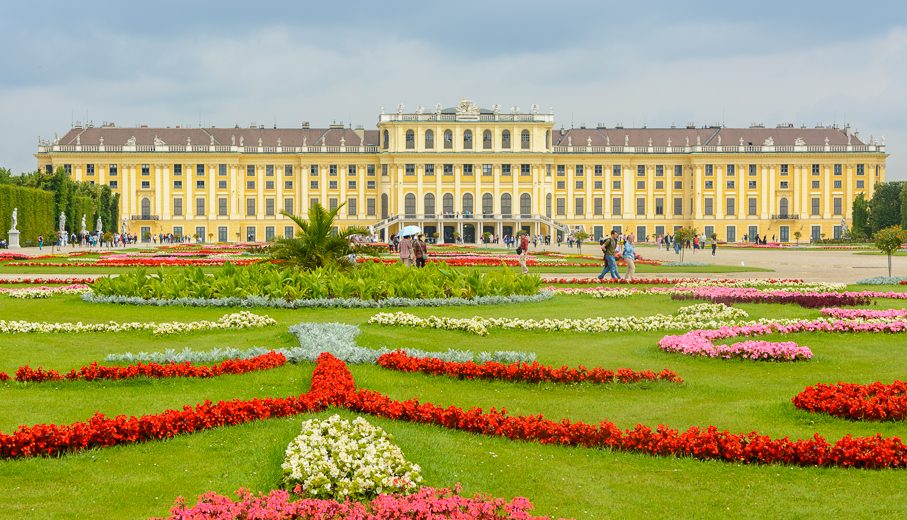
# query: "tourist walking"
609,247
523,250
406,251
420,251
713,241
629,256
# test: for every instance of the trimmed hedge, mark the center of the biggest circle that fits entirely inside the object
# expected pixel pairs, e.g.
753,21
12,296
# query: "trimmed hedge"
36,213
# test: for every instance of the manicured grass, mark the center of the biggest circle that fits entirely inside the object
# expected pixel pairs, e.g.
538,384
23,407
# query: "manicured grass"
141,480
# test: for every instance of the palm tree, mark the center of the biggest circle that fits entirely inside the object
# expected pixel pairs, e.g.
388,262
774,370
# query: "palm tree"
317,242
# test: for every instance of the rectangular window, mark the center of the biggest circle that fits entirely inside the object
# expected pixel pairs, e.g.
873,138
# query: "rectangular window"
486,170
384,170
837,185
288,231
710,169
784,169
250,170
598,170
313,201
222,170
409,169
731,234
837,206
860,184
815,206
200,185
221,185
838,169
579,185
561,206
221,233
615,170
332,170
597,206
678,170
332,203
751,185
177,231
288,170
659,170
112,170
615,206
524,170
598,185
752,170
448,169
751,206
288,205
113,184
709,185
68,169
222,207
313,170
785,185
89,169
269,233
641,171
579,206
730,185
250,185
561,170
351,207
351,169
146,170
561,185
332,185
615,185
678,185
731,170
177,185
505,169
708,205
250,233
269,207
177,170
146,185
640,185
815,169
577,170
731,206
678,206
640,205
269,185
351,185
429,170
370,207
467,169
177,207
659,206
861,169
250,207
200,207
371,184
288,185
200,170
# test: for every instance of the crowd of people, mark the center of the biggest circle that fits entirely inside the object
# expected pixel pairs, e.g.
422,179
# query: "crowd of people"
698,242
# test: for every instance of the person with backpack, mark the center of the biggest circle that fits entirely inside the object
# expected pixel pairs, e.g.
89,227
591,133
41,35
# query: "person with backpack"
610,247
523,250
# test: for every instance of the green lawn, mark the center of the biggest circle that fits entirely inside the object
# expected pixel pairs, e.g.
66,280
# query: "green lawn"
141,480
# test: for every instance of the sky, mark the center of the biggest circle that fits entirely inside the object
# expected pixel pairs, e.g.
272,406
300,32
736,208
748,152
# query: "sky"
655,63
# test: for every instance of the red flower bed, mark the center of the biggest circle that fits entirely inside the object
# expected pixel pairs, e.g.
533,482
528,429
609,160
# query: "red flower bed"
154,370
4,256
42,280
141,262
872,402
427,503
902,282
333,385
525,372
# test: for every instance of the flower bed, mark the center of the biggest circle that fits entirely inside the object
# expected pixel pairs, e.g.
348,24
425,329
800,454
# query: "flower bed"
95,372
39,280
333,385
872,402
336,458
43,291
692,316
883,280
864,314
810,300
239,320
521,372
426,503
143,262
596,292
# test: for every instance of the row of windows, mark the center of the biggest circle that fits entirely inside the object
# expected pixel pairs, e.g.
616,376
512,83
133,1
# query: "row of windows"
222,206
448,141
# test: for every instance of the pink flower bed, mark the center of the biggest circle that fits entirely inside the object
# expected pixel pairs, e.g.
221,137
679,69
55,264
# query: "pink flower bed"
427,503
812,300
864,314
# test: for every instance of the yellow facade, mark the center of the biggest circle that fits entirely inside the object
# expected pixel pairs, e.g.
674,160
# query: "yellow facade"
467,171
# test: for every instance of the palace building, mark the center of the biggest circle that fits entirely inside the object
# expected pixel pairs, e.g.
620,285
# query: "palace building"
465,171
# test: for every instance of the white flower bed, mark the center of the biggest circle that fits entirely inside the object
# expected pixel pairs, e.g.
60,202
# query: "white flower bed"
699,316
239,320
763,284
44,292
314,338
338,459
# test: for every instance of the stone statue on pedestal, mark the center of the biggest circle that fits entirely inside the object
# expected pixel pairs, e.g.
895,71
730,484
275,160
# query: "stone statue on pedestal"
64,237
124,224
13,232
15,220
84,228
98,225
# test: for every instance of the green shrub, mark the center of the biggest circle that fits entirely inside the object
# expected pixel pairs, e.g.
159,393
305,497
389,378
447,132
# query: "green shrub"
36,212
369,281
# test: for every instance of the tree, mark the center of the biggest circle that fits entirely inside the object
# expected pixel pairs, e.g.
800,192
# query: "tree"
885,206
889,240
860,227
904,206
580,236
797,235
317,243
682,236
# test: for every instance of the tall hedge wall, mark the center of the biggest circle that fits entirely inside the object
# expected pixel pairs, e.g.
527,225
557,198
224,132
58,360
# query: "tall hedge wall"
36,212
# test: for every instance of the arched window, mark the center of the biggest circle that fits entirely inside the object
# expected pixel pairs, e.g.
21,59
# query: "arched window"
409,205
782,206
467,204
410,140
386,141
429,205
505,139
384,205
448,140
487,205
524,139
548,205
525,205
506,206
486,140
467,140
429,139
447,202
146,207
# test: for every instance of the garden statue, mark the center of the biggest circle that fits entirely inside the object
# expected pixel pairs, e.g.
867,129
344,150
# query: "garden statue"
13,235
15,219
98,224
124,224
63,235
84,230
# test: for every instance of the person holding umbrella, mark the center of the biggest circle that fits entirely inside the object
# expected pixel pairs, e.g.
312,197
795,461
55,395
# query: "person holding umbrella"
406,244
